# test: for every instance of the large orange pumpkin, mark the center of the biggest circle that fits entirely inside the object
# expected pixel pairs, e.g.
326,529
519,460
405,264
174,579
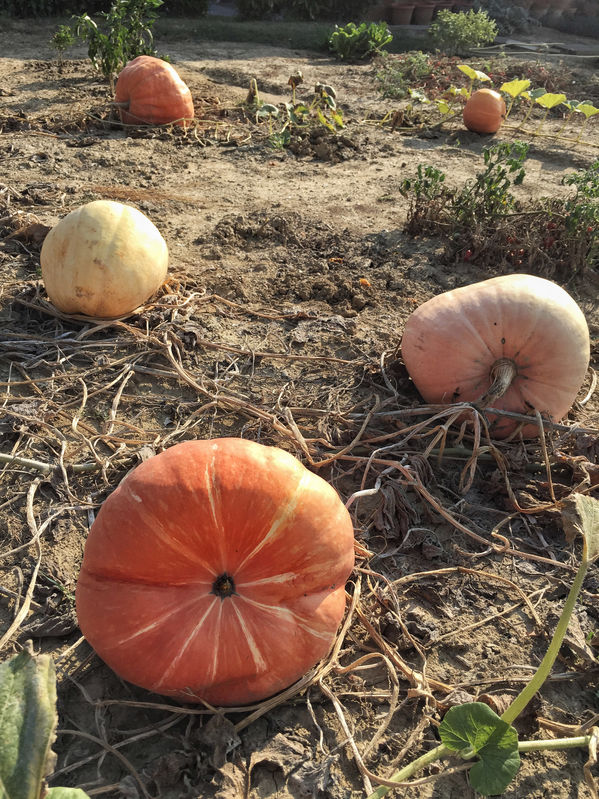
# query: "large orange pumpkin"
524,330
216,571
150,91
484,111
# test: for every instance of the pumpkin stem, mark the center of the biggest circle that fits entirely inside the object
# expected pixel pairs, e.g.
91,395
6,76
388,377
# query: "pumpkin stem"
502,373
223,586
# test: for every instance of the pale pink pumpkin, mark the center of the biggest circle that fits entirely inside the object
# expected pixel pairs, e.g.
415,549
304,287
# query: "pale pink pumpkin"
454,343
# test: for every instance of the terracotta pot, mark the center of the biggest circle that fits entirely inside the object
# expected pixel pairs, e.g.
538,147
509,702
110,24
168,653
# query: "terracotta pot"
423,13
401,13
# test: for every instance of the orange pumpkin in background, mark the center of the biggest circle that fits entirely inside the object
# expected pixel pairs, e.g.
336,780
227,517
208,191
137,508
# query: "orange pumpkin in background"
484,111
216,571
150,91
522,329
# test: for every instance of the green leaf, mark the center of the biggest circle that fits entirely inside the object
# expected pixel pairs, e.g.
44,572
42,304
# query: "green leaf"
534,94
580,516
475,729
27,723
549,100
267,110
587,109
337,118
473,74
418,95
443,107
66,793
324,121
325,88
515,87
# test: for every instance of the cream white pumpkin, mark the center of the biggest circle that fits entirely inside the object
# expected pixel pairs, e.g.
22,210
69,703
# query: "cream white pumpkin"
103,259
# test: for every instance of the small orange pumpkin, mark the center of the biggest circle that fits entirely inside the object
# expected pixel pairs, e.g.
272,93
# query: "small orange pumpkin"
521,332
150,91
484,111
216,571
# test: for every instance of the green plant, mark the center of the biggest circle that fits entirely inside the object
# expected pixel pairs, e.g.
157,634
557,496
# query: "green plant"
458,33
354,42
320,111
548,101
63,39
582,215
428,196
28,727
276,139
485,199
587,110
473,75
474,731
126,32
489,195
395,75
513,89
323,109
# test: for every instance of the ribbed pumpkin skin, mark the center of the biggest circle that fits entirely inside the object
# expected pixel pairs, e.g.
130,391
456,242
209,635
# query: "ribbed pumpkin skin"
484,111
103,259
155,93
451,342
179,522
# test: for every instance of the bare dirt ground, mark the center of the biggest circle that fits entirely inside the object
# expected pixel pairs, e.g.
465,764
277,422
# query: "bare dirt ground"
292,278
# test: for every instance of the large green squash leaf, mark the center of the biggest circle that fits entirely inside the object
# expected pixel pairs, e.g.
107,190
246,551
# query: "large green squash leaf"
27,727
27,722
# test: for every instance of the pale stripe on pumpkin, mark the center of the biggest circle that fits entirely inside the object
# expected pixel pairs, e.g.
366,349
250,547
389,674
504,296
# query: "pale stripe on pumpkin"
163,532
259,662
156,623
287,614
190,638
275,578
280,519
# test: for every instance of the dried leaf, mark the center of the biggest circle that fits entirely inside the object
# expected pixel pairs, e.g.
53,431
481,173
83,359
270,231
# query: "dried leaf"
56,626
312,780
218,738
280,752
34,233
